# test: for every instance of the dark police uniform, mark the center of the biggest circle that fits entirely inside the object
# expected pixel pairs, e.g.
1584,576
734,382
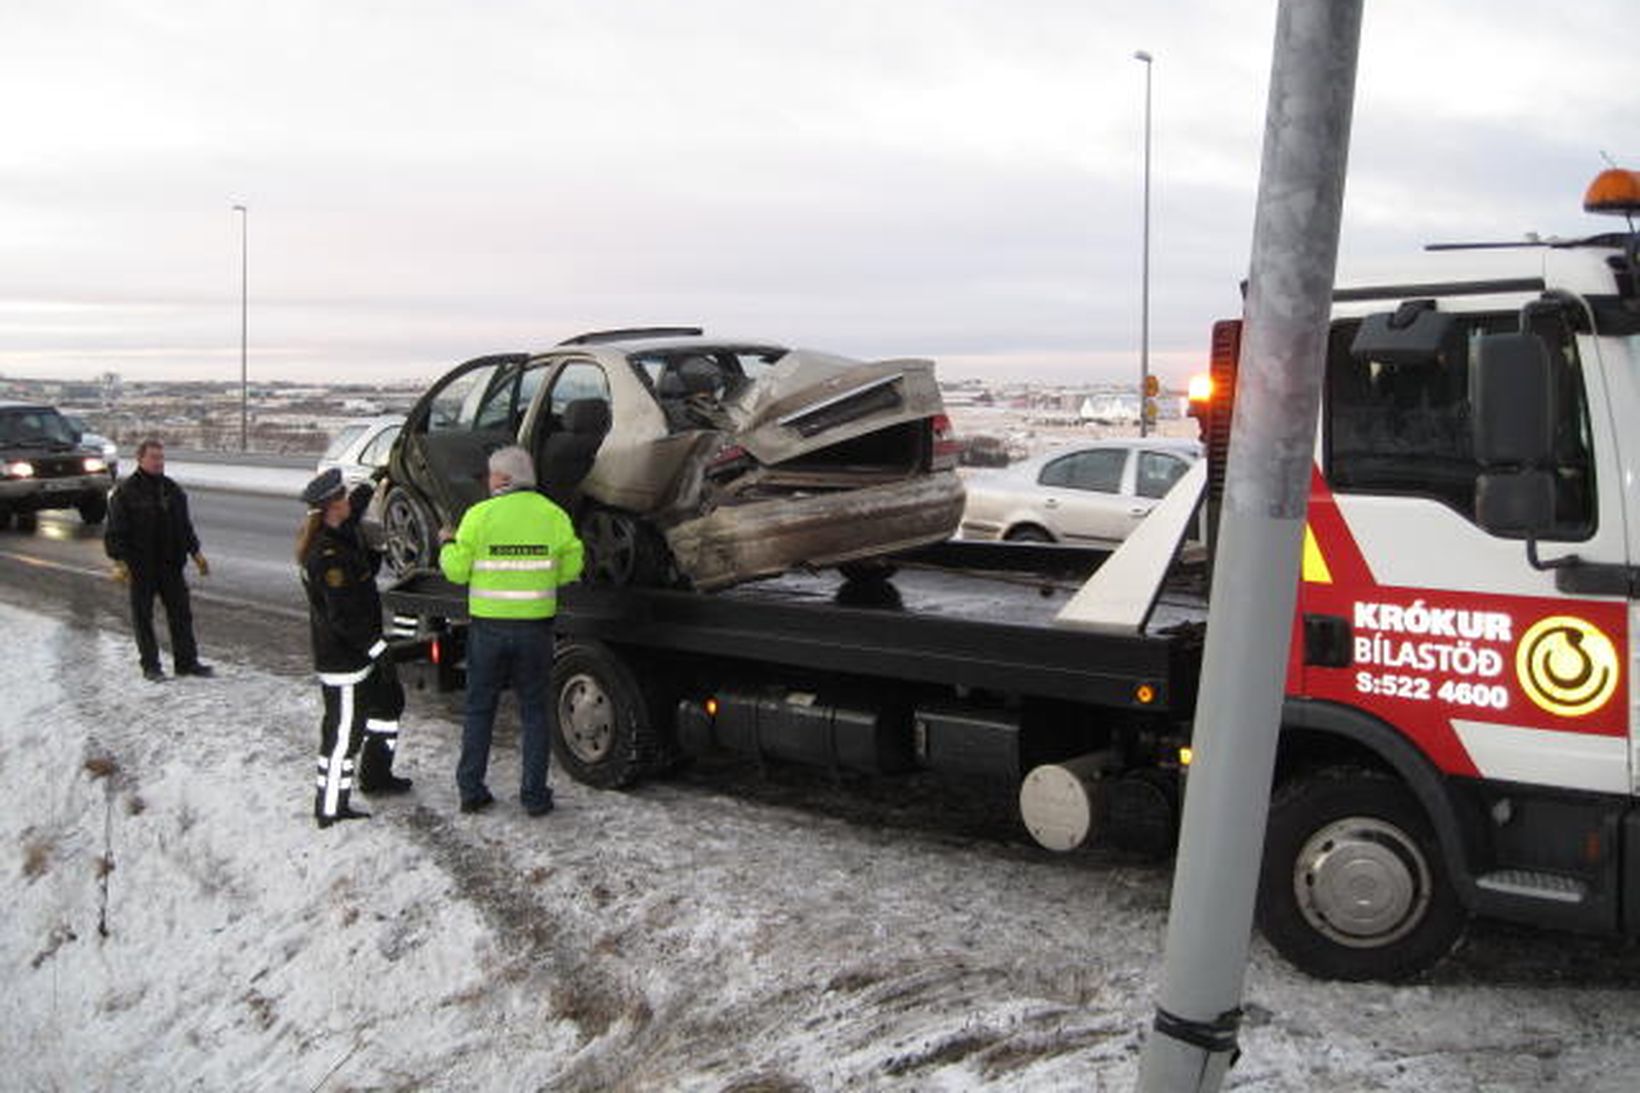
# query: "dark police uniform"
362,696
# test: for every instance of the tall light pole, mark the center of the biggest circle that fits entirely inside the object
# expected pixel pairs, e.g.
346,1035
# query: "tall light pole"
1144,276
244,311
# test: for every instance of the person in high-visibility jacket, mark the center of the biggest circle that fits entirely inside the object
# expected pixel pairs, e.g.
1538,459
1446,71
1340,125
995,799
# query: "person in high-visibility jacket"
512,552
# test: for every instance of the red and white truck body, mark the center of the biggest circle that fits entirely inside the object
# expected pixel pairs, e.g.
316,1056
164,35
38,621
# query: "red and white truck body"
1464,640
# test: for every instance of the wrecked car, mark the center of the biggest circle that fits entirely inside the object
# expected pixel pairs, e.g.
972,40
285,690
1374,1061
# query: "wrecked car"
686,460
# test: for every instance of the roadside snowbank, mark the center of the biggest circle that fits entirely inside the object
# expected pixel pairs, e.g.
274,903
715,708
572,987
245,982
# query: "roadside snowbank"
175,921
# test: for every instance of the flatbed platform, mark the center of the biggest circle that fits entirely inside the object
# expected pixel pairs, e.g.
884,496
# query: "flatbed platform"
970,615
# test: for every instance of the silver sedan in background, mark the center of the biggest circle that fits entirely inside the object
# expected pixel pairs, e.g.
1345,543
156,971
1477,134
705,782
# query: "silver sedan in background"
1093,494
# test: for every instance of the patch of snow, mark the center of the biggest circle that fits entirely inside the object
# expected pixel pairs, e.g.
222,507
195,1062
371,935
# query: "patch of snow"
174,920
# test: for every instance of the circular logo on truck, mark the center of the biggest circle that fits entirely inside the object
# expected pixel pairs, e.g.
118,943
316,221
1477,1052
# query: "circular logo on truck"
1566,666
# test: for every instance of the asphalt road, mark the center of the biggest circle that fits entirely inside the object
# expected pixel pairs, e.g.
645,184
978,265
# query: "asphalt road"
251,603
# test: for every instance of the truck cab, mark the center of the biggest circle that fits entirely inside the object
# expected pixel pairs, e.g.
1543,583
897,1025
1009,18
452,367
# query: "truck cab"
1459,734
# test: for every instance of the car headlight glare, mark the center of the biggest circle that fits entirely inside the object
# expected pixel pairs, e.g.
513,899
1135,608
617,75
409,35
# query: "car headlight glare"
19,469
95,464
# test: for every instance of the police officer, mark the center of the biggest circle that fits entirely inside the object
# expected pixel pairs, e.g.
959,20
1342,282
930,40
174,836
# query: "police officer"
362,695
512,551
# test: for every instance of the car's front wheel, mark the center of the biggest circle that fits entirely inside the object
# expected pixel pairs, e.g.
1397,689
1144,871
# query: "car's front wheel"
94,507
407,528
1028,533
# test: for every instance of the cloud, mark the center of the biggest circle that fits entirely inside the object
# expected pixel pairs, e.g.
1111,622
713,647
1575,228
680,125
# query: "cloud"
429,180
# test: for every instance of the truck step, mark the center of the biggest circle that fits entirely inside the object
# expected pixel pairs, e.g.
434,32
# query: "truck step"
1522,882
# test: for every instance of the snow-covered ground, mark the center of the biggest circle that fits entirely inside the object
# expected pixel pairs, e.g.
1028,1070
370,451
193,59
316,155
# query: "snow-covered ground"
175,921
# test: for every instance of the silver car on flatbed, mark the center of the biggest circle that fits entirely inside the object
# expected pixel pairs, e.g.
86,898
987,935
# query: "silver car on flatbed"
685,459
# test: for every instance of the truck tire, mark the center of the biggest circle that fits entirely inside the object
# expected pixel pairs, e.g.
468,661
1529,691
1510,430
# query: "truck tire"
93,508
1353,885
407,529
603,732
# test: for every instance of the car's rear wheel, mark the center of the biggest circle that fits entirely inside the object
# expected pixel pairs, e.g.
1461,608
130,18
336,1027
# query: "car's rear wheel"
621,549
867,570
94,508
1028,533
407,527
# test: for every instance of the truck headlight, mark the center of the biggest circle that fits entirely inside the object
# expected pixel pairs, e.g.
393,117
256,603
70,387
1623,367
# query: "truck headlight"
95,464
18,469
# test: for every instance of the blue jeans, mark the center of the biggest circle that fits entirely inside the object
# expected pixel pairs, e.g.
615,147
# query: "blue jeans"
502,653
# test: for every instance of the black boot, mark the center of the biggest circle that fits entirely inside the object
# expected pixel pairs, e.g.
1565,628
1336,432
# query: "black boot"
376,767
343,810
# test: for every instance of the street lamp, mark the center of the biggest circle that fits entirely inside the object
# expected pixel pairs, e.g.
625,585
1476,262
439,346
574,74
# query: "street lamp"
1145,402
244,270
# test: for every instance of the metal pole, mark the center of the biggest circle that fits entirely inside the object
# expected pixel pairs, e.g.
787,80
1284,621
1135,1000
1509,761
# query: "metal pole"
1144,278
244,283
1259,545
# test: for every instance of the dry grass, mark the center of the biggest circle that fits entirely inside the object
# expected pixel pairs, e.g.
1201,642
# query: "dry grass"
37,852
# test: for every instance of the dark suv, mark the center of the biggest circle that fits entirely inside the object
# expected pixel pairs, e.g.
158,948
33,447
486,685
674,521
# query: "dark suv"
44,465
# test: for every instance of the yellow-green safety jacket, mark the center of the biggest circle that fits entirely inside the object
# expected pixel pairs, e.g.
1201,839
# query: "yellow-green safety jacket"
513,551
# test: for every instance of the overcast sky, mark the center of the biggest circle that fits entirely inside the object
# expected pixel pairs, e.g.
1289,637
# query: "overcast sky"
428,181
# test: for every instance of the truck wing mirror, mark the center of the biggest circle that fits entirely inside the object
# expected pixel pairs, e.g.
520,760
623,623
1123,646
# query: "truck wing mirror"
1512,400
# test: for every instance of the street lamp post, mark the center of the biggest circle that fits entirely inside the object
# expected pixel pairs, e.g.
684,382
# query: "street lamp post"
244,280
1144,277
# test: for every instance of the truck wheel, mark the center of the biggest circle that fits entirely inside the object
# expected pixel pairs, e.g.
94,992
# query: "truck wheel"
94,507
407,528
621,549
602,733
1353,885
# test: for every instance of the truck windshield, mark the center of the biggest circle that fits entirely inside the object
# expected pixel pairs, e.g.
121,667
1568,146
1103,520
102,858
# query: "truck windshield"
1404,428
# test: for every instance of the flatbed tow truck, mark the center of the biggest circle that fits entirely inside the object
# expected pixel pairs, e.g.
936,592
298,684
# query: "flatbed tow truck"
959,664
1460,734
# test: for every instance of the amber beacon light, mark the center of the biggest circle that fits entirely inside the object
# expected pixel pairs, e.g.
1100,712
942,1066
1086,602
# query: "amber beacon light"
1614,191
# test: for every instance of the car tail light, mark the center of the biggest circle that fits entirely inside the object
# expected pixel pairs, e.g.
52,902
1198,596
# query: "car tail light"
946,445
730,460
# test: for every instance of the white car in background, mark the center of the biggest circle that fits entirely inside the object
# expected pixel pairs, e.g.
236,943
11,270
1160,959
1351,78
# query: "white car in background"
360,446
1093,494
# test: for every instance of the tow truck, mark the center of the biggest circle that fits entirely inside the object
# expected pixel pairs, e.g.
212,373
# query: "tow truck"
1460,736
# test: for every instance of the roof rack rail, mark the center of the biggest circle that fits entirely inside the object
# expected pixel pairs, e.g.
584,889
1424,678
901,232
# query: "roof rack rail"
627,333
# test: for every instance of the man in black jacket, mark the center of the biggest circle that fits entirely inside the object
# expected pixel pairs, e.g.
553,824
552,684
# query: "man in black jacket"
360,687
150,538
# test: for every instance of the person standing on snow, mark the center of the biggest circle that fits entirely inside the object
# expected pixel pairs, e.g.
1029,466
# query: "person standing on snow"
512,551
150,538
362,695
